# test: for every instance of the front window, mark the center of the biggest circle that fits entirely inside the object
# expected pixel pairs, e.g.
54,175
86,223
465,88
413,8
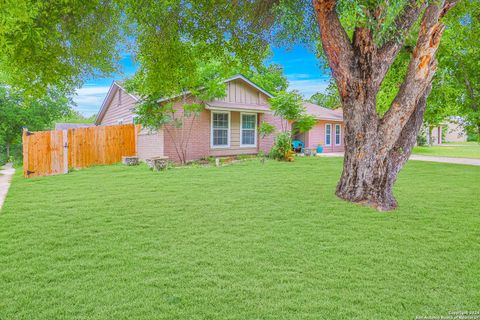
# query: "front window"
337,135
220,129
328,134
248,129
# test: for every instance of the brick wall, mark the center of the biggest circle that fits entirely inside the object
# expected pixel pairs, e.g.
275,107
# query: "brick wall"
149,144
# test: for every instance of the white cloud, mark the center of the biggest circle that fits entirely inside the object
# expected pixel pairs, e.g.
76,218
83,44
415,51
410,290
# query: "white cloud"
295,76
89,99
308,87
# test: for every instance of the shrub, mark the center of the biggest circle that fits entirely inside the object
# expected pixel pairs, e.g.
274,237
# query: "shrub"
282,148
421,139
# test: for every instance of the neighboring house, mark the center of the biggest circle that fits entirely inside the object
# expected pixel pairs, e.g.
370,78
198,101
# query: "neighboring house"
449,131
227,127
66,126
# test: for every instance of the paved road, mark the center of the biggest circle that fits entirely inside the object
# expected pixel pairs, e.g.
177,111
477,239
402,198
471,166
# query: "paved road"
5,178
467,161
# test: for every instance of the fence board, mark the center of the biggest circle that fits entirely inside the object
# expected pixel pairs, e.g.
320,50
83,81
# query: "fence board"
45,152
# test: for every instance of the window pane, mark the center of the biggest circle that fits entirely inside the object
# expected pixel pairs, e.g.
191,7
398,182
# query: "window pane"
328,134
220,137
248,137
248,121
220,120
337,134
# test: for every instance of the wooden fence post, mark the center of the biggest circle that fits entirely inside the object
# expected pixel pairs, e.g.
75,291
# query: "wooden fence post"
137,131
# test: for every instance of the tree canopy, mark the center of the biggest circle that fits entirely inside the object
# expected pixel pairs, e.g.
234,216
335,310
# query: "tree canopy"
57,43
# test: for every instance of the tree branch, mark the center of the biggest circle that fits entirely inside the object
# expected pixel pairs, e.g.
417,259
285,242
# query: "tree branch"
335,41
419,75
389,51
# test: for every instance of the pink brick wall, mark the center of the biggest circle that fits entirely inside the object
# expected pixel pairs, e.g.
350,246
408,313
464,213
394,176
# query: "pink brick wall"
316,136
266,143
199,143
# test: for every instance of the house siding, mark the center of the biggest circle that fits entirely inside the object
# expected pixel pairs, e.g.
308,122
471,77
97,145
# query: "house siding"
240,92
316,136
120,108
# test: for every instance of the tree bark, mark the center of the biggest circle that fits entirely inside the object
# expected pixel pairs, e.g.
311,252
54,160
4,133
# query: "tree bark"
377,148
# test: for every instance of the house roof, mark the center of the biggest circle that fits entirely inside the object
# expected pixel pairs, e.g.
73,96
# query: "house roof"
322,113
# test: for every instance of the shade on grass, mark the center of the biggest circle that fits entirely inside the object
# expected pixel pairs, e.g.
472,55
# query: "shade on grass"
461,150
247,241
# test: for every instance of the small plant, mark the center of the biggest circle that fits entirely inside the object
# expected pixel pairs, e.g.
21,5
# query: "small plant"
421,138
282,149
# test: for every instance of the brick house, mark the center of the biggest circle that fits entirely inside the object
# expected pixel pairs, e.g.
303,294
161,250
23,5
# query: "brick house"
227,126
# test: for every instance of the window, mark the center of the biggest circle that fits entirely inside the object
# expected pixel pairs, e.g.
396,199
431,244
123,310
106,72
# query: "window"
220,129
248,127
328,134
337,135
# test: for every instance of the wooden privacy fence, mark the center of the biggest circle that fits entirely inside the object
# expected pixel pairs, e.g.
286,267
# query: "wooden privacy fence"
55,152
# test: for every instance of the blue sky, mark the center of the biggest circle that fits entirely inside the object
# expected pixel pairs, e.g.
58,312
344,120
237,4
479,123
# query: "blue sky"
300,66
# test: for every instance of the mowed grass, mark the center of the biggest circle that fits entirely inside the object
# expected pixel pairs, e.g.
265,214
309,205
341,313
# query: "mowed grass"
246,241
460,150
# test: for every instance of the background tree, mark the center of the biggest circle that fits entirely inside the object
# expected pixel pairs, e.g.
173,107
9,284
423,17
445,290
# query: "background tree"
459,59
76,117
329,99
18,111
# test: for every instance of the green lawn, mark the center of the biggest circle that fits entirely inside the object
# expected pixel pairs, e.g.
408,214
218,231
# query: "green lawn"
458,150
246,241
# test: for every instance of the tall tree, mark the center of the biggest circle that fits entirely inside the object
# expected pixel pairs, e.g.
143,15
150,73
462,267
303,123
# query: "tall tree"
360,40
57,43
328,99
18,111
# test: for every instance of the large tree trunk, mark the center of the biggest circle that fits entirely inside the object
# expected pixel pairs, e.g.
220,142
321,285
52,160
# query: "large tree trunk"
376,148
368,172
